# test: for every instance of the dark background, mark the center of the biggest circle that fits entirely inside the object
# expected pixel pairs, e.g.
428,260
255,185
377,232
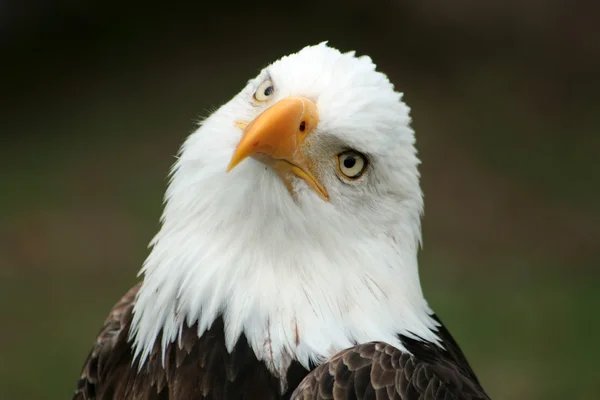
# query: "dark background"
97,98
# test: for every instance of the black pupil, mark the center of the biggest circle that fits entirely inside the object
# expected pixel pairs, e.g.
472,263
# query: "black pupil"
268,91
349,162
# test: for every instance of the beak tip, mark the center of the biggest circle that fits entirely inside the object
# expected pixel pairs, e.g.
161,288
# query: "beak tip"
230,166
233,162
236,159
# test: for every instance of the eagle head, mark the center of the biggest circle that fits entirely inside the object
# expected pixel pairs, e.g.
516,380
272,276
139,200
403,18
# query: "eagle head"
293,212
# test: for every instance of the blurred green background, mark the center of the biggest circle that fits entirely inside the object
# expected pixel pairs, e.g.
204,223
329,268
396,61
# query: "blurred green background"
97,98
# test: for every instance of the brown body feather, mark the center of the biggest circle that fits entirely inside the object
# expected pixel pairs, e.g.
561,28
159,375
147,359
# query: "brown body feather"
379,371
201,368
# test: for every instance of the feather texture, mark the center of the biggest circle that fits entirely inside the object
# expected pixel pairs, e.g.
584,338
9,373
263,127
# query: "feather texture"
195,367
202,368
378,371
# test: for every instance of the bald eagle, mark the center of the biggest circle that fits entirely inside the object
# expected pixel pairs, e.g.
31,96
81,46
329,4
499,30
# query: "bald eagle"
286,262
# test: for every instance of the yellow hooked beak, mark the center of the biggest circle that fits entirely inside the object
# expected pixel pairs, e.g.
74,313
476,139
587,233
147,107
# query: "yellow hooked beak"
276,138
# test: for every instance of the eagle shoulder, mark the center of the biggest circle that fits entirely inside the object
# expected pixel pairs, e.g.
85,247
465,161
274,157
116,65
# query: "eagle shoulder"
377,370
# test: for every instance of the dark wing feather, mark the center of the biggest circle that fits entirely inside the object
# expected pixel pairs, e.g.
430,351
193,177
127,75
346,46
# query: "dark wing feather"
105,362
379,371
198,368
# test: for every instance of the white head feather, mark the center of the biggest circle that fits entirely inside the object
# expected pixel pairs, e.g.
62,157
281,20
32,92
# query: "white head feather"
300,277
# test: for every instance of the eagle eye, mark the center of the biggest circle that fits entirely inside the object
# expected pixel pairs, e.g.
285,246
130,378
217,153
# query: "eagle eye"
351,164
265,91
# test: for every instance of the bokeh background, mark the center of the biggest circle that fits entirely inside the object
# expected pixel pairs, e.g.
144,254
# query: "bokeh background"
96,98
